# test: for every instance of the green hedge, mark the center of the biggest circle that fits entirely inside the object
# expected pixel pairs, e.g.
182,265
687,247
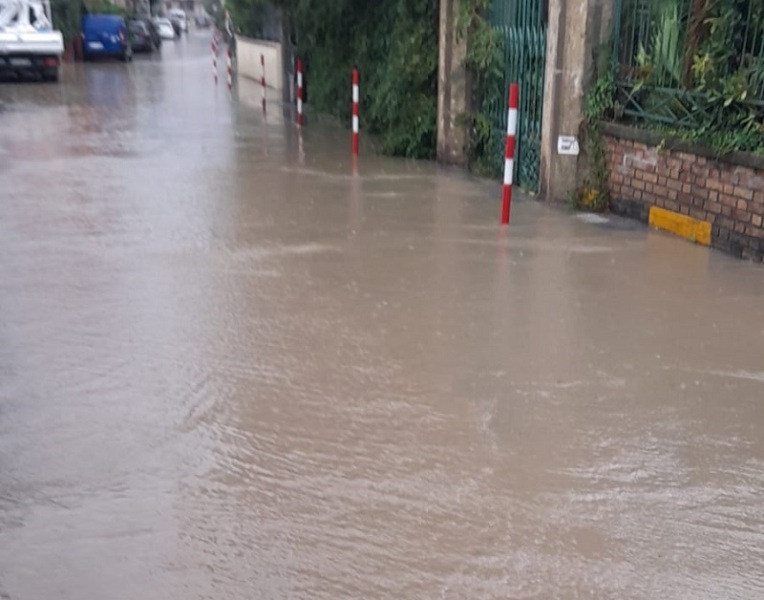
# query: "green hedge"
393,43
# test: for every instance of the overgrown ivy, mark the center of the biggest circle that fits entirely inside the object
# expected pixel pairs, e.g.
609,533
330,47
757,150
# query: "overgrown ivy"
484,63
594,194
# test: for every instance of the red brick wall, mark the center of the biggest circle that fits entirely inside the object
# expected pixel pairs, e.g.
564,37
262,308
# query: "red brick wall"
729,196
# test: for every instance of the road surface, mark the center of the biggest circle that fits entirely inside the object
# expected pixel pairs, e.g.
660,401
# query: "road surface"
233,365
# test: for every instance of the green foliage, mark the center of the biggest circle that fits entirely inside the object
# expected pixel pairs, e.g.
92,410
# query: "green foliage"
404,104
484,53
248,16
745,137
666,45
729,71
704,60
484,63
66,17
394,45
484,145
594,194
104,7
600,99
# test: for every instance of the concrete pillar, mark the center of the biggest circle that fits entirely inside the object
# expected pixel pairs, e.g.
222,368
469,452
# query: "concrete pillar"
453,88
576,31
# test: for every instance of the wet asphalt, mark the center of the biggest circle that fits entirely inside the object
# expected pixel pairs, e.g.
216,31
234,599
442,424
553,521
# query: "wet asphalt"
235,364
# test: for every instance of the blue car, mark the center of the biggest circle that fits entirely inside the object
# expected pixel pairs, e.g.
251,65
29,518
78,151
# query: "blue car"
106,35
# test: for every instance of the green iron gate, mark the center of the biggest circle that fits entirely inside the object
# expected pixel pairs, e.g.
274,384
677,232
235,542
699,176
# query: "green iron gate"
521,25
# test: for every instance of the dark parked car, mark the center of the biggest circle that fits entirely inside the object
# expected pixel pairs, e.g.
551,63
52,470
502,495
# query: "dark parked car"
156,38
140,37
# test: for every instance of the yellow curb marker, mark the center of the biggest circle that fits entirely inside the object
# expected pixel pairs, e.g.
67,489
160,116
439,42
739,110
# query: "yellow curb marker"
681,225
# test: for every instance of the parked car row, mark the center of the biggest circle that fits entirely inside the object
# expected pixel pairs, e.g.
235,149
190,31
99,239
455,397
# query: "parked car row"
165,28
31,47
111,35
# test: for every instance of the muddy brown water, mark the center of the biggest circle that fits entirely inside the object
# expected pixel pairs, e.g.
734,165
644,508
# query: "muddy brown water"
234,367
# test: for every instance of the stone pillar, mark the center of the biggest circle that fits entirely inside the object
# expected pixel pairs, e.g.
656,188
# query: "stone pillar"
453,88
576,31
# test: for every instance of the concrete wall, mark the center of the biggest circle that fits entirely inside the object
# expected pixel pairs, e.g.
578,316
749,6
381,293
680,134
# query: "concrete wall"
248,53
687,191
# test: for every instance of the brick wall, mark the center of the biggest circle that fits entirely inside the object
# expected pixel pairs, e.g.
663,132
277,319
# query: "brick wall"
727,193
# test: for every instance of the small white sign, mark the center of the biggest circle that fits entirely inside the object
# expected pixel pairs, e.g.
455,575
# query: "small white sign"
568,144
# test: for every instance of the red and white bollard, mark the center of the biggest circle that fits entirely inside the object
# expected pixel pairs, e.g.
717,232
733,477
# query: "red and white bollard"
356,111
229,66
509,156
215,59
299,92
262,79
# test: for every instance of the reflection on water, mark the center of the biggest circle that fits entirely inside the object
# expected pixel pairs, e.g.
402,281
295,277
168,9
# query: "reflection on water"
108,86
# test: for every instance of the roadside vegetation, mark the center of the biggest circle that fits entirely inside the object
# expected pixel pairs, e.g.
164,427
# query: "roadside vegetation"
691,70
393,43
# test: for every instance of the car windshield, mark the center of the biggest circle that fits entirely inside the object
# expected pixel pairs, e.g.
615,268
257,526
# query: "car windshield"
137,27
163,23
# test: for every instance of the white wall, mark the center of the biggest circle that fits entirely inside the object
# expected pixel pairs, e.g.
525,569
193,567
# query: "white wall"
248,53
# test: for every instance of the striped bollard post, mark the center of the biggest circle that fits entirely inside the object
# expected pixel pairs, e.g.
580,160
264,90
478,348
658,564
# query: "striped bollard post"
229,66
262,79
215,60
356,111
509,156
299,92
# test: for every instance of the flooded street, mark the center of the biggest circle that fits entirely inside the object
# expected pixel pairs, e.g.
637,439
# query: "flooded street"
233,367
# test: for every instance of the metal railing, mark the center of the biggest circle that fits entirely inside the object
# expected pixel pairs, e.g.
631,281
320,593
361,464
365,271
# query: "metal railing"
521,27
678,62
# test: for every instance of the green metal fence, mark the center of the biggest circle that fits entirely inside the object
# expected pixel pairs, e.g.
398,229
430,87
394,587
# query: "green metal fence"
677,62
522,29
